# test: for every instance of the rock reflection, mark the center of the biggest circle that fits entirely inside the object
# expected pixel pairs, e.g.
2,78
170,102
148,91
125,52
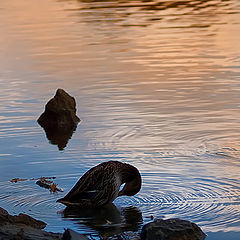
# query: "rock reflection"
59,136
108,220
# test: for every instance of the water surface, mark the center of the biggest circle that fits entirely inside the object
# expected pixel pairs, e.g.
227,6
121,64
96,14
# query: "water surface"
157,85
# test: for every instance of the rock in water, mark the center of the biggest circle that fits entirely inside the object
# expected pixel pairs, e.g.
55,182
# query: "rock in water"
59,119
5,218
22,227
172,229
60,112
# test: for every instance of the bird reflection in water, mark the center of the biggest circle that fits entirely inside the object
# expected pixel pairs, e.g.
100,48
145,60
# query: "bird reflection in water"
108,220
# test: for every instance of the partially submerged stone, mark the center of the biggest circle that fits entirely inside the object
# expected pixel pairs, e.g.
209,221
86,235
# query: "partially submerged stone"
22,226
59,119
60,112
27,220
24,232
3,212
172,229
24,219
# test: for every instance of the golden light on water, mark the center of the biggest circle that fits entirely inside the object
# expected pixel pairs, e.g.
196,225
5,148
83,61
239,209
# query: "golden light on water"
177,42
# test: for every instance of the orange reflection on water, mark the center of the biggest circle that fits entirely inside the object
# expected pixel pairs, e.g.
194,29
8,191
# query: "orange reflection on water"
161,36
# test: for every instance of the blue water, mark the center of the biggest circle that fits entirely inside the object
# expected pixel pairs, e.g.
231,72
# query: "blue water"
156,85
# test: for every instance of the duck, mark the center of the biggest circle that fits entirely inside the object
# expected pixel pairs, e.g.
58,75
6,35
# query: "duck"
101,185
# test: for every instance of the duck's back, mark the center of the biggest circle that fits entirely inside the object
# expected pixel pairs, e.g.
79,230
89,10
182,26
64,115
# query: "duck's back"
98,186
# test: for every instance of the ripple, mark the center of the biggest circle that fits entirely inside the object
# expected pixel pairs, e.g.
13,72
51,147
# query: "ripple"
213,204
28,198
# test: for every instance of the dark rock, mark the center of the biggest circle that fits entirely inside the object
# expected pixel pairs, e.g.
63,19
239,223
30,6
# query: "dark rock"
3,212
20,219
172,229
22,226
24,232
59,119
60,111
27,220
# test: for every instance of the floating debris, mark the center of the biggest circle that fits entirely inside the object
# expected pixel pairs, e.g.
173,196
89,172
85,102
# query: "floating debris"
42,182
49,185
14,180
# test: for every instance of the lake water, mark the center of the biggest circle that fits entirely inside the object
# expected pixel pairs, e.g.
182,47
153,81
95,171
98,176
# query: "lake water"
157,85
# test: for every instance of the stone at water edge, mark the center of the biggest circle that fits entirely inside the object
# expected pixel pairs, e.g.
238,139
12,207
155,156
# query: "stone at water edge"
22,227
6,218
172,229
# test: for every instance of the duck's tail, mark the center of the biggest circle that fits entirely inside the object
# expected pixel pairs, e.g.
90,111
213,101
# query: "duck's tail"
63,201
66,202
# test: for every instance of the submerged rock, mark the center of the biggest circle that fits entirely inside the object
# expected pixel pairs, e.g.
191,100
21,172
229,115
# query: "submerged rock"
172,229
59,119
72,235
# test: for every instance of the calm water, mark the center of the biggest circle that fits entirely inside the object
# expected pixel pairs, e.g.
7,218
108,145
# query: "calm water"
157,85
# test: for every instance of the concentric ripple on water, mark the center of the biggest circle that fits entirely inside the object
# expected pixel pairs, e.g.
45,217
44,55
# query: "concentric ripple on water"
212,204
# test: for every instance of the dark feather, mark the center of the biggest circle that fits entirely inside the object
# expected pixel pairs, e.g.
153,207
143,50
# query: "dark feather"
100,185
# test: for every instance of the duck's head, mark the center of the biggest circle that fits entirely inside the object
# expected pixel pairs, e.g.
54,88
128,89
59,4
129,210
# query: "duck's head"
130,188
133,182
